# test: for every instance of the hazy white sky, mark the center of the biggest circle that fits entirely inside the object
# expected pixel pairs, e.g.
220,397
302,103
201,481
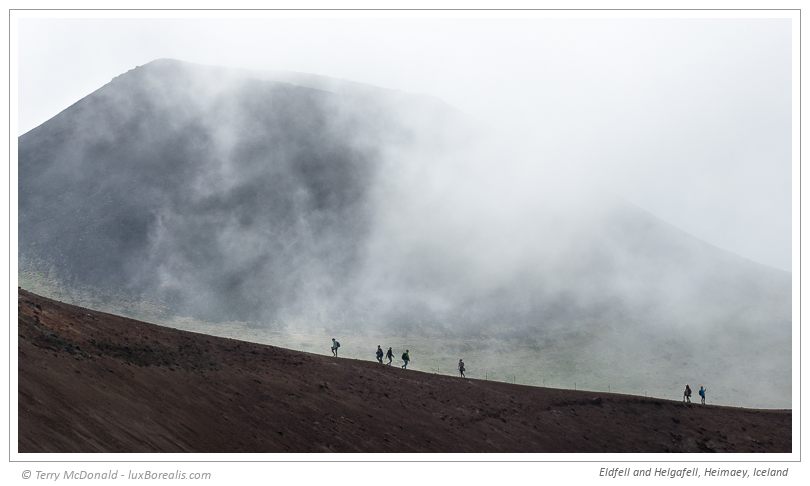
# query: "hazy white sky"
688,118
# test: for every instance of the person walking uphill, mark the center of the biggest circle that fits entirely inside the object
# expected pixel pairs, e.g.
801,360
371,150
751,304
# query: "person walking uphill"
461,367
335,346
390,356
405,358
687,394
379,354
702,393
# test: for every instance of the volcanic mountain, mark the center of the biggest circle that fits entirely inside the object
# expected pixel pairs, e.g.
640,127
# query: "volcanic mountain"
294,201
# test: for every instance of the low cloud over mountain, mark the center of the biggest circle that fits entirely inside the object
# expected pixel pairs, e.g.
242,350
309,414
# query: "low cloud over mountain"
295,201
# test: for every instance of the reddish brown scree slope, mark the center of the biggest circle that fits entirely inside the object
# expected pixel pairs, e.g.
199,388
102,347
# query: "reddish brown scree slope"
94,382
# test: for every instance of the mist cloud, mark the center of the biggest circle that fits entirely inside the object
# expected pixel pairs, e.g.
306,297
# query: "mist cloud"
298,202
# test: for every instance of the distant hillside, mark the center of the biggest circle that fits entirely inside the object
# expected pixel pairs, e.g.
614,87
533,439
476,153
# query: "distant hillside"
180,190
94,382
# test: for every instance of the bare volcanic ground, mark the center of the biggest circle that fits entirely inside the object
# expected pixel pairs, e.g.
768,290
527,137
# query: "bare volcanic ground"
95,382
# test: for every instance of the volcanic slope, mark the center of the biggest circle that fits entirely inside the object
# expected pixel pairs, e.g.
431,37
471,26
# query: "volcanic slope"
95,382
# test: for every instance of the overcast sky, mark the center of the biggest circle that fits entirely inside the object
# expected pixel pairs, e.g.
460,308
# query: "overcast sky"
687,118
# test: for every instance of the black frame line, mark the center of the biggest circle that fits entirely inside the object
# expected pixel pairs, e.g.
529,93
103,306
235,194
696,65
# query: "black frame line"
799,10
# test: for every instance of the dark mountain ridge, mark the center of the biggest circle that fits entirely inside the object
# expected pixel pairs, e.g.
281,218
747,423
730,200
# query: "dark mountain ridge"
95,382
